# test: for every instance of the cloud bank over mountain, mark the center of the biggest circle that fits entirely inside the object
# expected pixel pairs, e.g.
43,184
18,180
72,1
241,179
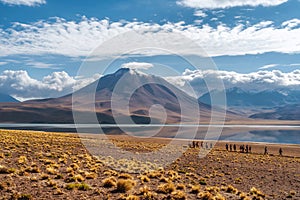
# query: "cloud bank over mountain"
260,80
22,86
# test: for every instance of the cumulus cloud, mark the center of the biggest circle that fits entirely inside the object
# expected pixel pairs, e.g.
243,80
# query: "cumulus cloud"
24,2
137,65
216,4
79,38
20,85
200,13
260,80
291,23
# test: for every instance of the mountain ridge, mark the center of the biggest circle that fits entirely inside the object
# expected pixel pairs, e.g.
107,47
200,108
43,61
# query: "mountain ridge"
144,92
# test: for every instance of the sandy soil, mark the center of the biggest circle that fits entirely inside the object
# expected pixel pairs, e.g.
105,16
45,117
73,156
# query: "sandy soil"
40,165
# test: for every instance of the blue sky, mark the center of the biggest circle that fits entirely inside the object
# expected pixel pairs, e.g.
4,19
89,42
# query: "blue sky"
49,39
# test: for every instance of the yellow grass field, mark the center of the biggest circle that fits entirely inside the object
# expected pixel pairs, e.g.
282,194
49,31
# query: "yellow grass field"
42,165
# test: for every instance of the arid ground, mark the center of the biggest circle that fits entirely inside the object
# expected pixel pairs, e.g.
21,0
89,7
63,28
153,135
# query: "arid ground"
41,165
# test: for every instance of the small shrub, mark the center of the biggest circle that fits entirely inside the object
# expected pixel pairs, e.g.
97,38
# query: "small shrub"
109,182
33,169
144,178
132,197
22,160
255,191
83,186
205,196
231,189
24,197
71,186
79,178
195,189
79,186
178,195
124,185
147,194
180,186
90,175
51,170
166,188
5,170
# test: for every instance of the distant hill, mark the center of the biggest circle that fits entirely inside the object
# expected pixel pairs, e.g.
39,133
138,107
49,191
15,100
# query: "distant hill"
7,98
286,112
237,97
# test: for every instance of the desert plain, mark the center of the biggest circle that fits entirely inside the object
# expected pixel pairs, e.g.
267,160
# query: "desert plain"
48,165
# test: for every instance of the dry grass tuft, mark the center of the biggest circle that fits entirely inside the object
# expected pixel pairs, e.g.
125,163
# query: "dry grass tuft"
124,185
166,188
195,189
109,182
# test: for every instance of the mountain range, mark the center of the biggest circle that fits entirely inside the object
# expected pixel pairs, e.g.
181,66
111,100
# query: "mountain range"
107,96
279,104
237,97
284,112
131,95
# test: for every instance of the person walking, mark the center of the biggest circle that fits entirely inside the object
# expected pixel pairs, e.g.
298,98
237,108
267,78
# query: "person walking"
280,151
266,150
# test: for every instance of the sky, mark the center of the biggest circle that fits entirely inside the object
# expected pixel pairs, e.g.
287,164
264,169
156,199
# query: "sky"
44,43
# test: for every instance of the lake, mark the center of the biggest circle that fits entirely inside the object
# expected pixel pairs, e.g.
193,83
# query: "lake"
286,134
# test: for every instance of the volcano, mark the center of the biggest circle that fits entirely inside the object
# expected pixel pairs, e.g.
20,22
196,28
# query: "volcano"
121,97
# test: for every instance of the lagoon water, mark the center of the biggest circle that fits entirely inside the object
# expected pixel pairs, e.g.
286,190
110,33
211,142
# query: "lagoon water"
287,134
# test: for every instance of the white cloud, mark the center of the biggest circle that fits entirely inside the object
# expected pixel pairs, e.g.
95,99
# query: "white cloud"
40,65
198,21
70,38
216,4
294,65
291,23
200,13
260,80
22,86
279,65
268,66
137,65
24,2
3,63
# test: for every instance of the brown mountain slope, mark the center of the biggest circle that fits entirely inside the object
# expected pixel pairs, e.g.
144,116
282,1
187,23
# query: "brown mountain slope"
112,93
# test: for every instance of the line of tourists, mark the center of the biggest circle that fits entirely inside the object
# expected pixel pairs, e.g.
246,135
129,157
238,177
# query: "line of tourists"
242,148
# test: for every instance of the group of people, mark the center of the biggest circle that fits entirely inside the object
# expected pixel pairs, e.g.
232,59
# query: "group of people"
198,144
280,151
247,149
229,147
243,148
